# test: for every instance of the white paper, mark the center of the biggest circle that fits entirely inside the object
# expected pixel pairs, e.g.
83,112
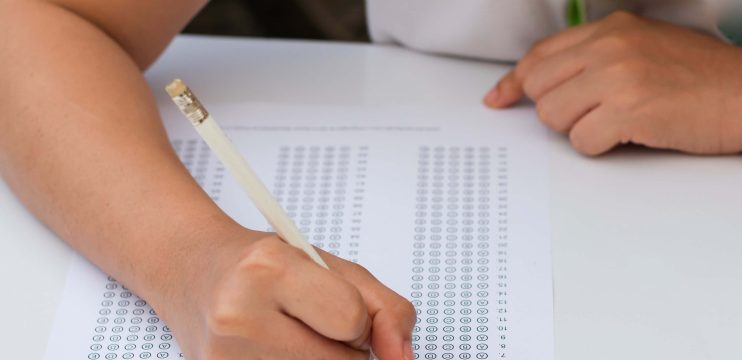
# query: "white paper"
447,206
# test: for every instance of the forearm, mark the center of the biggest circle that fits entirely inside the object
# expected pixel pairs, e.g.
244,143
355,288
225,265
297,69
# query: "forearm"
83,147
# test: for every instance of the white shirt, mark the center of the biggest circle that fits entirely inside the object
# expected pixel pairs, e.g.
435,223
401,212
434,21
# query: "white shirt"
506,29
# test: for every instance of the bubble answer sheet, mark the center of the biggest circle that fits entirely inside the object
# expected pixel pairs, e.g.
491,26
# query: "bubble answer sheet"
447,206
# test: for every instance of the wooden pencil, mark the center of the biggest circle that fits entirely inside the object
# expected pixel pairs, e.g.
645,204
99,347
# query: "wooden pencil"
220,144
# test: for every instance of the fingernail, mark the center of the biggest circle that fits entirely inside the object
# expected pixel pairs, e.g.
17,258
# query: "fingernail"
492,97
408,355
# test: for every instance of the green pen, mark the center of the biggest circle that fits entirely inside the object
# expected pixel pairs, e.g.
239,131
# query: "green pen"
731,25
576,12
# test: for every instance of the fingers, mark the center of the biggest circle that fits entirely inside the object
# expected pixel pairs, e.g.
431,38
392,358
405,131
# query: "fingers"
393,316
507,92
510,88
580,108
277,295
299,342
563,106
283,338
276,277
552,72
563,40
598,132
324,301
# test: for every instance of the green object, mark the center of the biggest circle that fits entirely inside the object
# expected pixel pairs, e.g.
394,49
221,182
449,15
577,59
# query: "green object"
576,12
731,25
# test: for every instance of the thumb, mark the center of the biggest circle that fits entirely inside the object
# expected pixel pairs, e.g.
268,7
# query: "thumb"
506,93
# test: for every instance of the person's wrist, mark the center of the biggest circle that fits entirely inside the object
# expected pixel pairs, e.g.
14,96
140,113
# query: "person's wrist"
190,271
194,264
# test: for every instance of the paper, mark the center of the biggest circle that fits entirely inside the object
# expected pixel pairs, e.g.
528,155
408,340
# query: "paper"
447,206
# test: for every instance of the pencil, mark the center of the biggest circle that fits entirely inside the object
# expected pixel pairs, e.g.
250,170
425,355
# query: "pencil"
217,140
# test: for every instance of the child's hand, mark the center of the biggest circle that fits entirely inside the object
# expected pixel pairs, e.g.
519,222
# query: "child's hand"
628,79
265,299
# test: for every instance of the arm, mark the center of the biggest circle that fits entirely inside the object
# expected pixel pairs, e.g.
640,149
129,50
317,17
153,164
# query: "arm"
626,79
83,147
82,162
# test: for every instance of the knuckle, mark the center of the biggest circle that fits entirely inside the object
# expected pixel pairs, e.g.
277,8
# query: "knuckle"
628,67
525,65
226,312
549,116
265,257
222,319
360,270
220,323
406,309
534,55
621,17
614,41
539,48
230,320
261,265
630,76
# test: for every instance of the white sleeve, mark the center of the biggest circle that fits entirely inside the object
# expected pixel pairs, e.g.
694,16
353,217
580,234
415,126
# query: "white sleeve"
486,29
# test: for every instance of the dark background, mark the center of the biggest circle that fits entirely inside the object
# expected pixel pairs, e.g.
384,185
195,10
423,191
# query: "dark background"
303,19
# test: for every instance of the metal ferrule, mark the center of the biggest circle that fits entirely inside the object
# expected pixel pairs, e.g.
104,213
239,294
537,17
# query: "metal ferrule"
191,107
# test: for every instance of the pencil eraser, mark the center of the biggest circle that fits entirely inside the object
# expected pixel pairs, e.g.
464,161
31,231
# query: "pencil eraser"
176,88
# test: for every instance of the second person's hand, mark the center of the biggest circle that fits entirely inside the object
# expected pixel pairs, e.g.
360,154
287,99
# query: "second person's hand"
627,79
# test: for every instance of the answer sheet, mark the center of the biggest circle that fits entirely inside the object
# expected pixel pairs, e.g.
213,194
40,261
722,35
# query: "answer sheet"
447,206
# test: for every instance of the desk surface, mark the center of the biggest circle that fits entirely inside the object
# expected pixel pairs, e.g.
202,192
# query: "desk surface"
646,245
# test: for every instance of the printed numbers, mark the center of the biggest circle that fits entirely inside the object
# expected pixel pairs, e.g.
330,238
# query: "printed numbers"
453,231
322,189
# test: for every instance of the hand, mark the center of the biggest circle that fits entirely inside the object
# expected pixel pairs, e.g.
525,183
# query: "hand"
264,299
626,79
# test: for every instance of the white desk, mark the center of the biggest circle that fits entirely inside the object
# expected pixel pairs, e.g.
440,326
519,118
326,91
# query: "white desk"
647,245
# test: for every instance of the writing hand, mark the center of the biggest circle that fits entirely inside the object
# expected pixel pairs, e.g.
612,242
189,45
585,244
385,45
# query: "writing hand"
265,299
